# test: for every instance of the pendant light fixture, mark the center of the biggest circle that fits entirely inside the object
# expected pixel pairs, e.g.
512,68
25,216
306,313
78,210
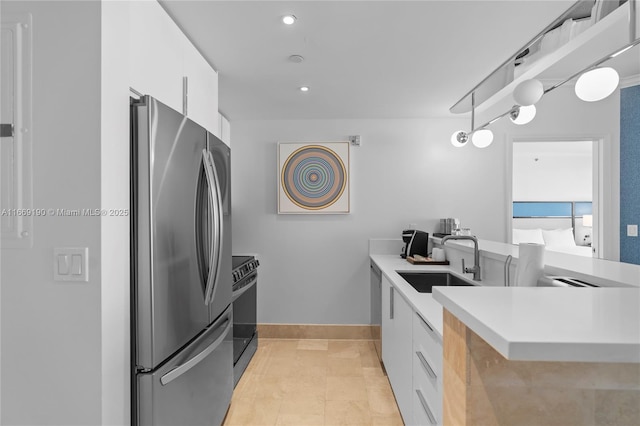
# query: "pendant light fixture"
480,137
597,84
594,82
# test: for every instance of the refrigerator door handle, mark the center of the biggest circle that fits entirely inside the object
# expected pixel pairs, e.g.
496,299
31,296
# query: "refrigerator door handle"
183,368
215,253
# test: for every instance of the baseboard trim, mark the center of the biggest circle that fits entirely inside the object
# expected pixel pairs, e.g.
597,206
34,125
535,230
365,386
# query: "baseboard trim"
316,331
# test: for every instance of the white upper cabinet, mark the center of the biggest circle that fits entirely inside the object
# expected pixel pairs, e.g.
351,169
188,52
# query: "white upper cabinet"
224,128
161,56
156,46
202,89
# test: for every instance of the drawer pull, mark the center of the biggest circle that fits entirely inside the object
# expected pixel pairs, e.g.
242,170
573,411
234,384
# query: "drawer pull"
426,366
425,406
425,324
391,293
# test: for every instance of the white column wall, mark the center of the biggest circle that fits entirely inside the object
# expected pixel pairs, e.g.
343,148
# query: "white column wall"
51,331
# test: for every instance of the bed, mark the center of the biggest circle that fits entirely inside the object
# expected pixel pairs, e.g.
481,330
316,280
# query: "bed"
557,225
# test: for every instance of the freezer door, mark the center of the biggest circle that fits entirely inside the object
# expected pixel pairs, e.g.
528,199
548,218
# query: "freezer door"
170,285
195,386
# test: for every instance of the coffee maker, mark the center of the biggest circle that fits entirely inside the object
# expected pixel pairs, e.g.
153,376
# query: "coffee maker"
415,242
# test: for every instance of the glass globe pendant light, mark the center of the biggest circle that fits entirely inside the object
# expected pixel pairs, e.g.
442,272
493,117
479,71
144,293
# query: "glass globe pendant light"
459,138
597,84
522,114
482,138
528,92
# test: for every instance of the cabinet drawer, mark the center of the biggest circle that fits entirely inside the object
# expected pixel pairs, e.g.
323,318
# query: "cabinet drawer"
424,374
430,389
427,341
424,413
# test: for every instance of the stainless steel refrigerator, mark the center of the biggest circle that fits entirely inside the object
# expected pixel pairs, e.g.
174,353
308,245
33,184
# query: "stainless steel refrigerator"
182,345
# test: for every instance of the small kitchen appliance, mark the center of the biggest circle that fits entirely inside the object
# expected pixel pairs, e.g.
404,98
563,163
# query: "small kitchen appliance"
447,226
415,242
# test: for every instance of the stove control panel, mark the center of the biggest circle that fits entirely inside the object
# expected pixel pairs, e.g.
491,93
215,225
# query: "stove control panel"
245,269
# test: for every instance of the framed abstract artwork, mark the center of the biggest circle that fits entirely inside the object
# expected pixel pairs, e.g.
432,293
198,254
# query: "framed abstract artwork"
313,177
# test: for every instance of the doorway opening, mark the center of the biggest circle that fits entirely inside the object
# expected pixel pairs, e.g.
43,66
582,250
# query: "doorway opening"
555,196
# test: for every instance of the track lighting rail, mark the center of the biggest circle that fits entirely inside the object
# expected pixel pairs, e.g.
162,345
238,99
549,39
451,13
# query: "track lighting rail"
607,33
620,28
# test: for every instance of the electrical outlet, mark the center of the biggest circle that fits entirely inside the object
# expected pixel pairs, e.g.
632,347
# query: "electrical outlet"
632,230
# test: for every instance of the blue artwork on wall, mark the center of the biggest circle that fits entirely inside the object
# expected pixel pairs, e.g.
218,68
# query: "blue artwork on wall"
629,172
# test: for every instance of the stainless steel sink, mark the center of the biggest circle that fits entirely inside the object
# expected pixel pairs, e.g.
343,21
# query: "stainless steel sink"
424,282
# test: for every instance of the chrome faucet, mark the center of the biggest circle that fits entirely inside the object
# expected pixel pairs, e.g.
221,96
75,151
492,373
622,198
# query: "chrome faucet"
476,254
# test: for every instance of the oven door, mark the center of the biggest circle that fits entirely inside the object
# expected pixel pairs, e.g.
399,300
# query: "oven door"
244,313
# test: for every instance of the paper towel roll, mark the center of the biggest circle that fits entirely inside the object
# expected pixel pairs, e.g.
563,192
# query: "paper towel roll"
438,254
530,265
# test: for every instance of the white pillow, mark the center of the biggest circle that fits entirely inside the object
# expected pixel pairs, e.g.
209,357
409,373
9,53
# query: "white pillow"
559,238
527,236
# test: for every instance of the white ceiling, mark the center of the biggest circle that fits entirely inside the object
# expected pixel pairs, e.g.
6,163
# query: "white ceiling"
363,59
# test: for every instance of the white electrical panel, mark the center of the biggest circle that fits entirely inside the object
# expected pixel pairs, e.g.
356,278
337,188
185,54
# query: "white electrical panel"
16,203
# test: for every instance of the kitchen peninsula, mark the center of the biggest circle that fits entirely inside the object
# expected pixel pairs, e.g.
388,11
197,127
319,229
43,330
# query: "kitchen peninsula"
538,355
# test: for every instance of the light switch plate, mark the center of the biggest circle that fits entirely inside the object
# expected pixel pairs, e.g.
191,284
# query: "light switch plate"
632,230
71,264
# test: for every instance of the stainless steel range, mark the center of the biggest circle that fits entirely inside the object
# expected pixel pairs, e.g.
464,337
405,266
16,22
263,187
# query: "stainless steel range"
245,335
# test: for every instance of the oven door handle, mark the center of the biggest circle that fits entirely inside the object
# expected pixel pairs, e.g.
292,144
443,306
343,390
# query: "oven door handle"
252,281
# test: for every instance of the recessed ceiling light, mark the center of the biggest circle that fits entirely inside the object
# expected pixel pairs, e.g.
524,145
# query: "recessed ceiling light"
289,19
304,88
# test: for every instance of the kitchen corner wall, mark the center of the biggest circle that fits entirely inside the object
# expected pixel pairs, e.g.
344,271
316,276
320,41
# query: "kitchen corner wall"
65,345
629,174
314,269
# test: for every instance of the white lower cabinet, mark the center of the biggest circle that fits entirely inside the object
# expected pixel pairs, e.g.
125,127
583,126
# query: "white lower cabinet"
412,356
397,345
427,373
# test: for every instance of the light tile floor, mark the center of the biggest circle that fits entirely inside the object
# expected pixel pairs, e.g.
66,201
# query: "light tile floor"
313,382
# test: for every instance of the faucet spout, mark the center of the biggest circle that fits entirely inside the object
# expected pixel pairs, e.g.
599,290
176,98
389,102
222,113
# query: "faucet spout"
476,254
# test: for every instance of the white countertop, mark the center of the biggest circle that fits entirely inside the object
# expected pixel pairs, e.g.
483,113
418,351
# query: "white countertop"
551,324
423,303
599,271
532,323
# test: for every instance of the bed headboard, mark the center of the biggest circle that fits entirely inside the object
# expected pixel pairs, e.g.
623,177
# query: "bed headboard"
550,215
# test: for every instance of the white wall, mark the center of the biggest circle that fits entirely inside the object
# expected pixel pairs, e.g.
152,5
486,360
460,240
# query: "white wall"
114,191
315,269
51,334
552,171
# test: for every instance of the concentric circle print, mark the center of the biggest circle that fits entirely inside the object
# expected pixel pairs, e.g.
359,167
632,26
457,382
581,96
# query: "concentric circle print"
313,177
